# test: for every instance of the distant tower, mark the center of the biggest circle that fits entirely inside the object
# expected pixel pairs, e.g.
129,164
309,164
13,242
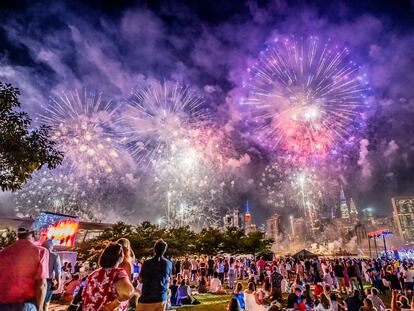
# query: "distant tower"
343,206
353,210
247,216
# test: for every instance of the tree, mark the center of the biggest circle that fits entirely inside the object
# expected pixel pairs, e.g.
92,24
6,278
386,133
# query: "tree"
232,240
22,151
209,241
255,243
7,238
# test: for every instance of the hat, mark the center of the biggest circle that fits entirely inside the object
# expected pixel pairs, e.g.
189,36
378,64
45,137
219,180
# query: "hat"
24,229
48,243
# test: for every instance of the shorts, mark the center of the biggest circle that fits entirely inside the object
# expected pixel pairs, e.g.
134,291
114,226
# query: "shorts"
193,271
49,291
210,272
409,285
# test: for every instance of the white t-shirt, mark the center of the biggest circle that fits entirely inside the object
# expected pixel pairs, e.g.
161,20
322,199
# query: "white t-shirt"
409,276
194,264
320,307
215,285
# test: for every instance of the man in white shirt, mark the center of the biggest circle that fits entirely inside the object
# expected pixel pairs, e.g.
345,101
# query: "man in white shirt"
327,279
409,279
215,285
194,268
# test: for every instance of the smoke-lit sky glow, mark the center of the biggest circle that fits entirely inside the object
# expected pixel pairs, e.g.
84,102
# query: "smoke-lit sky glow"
358,135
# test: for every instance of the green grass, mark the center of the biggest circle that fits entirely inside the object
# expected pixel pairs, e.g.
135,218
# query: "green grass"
209,302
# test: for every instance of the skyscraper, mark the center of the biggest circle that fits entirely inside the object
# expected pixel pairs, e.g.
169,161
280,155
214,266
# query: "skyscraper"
273,227
353,210
233,220
343,206
247,216
403,212
248,226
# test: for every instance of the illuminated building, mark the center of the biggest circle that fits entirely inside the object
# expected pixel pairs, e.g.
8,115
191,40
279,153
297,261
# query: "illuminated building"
403,212
273,227
248,226
233,220
247,216
353,210
361,234
343,206
299,231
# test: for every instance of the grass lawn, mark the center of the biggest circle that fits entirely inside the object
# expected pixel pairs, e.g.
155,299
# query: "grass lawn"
209,302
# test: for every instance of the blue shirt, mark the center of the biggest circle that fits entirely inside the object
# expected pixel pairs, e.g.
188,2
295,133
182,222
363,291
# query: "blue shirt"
240,300
155,274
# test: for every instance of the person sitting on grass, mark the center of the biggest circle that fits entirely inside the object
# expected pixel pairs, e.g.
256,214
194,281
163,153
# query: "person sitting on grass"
202,284
233,305
293,298
372,293
239,295
215,285
70,288
184,294
173,292
251,298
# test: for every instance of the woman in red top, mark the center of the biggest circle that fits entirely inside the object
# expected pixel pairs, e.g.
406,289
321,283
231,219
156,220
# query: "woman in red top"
108,287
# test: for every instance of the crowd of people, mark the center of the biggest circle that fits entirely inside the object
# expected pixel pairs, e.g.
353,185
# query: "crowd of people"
31,275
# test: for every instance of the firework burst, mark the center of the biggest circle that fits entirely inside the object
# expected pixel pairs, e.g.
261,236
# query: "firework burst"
53,192
309,191
158,115
81,124
305,97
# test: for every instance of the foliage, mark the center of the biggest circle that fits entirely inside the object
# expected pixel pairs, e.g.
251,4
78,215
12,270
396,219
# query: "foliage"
7,238
22,151
181,241
255,243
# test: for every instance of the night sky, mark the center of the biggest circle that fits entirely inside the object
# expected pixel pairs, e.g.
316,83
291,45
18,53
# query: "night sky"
52,46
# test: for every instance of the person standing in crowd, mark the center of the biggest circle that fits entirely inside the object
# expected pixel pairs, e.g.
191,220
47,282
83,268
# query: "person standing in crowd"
24,270
409,279
232,273
376,279
210,267
339,272
108,287
276,282
155,276
55,268
129,256
194,268
392,278
327,279
186,266
220,270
